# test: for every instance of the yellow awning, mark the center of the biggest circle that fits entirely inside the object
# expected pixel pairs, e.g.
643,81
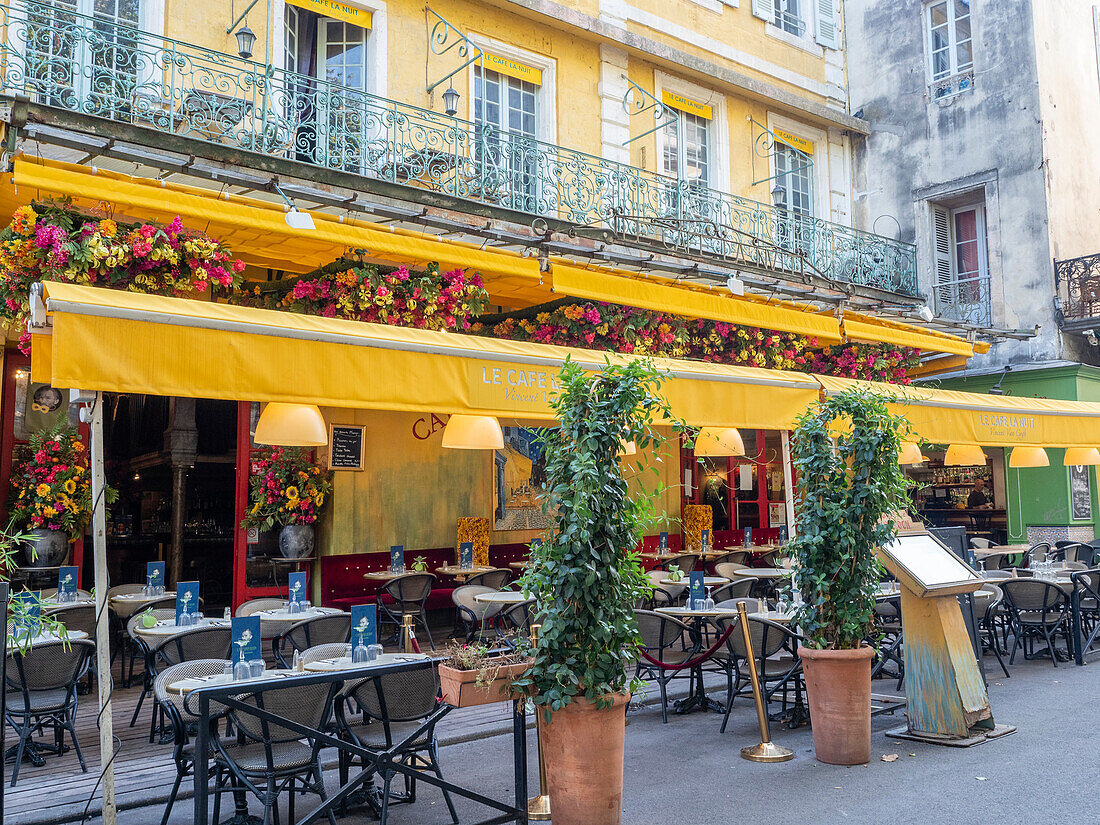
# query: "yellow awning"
859,327
681,299
336,10
954,417
127,342
257,232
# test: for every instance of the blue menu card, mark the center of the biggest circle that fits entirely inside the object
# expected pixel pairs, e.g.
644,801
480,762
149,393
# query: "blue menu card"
296,586
397,558
696,591
748,537
783,533
66,580
466,555
154,573
246,638
187,599
26,621
364,625
664,543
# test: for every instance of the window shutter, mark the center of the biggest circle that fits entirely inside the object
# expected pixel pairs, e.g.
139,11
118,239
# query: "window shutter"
826,24
941,257
764,9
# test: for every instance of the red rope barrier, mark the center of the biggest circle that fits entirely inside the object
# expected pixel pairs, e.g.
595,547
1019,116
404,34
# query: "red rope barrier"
698,660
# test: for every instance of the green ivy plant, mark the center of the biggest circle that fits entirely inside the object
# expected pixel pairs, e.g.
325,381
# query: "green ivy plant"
585,576
845,451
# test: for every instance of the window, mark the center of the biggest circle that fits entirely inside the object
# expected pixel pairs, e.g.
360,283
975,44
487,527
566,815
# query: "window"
787,16
506,110
950,48
686,150
99,69
793,180
961,263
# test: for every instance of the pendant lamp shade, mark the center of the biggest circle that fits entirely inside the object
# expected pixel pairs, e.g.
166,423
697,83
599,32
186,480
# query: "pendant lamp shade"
910,453
1078,456
1028,457
473,432
719,441
291,425
964,455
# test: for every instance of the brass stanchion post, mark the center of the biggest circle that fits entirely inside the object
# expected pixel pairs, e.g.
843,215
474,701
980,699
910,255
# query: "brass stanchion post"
766,751
406,645
538,807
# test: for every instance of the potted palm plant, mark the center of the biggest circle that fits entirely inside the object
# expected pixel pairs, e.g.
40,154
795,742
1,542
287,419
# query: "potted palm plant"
586,578
845,451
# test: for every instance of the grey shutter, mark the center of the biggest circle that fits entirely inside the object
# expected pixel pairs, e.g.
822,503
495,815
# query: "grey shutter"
764,9
826,24
942,277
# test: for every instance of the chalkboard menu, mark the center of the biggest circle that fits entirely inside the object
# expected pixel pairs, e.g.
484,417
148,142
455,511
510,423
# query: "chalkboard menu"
345,447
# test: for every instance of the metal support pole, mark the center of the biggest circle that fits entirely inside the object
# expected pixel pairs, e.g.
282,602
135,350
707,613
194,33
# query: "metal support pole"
766,751
102,626
538,807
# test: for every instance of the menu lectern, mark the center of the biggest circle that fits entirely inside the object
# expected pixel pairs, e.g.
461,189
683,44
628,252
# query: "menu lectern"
945,693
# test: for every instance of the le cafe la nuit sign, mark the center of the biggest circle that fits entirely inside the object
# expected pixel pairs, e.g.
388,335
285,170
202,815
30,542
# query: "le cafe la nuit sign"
500,387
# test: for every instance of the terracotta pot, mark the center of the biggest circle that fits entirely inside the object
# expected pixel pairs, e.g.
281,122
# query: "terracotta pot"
460,688
838,687
582,748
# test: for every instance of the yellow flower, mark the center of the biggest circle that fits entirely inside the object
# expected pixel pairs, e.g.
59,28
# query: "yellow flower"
49,512
292,492
42,489
70,486
255,508
108,228
319,499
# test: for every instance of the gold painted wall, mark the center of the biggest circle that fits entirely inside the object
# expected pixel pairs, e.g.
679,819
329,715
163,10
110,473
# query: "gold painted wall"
412,491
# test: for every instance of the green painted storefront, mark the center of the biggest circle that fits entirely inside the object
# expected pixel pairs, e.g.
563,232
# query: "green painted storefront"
1040,496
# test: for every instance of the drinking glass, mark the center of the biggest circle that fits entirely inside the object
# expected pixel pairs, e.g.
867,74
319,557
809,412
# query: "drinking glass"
373,652
241,670
347,652
256,668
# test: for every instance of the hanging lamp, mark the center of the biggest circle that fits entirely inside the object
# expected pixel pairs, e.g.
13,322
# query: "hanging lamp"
291,425
473,432
910,453
964,455
1081,456
1028,457
719,441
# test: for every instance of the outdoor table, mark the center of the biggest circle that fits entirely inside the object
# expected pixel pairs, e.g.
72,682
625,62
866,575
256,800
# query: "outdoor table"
777,616
43,638
52,603
501,597
166,628
461,573
342,663
127,604
519,565
763,572
283,615
698,699
376,760
708,581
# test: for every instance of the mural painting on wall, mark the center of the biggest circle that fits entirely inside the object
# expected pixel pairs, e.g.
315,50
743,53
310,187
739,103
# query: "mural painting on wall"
519,481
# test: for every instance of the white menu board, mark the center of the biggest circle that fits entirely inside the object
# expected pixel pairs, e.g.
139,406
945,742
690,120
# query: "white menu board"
929,563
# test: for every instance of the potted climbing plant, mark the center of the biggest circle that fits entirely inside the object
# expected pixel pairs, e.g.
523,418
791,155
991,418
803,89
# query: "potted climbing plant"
845,451
586,578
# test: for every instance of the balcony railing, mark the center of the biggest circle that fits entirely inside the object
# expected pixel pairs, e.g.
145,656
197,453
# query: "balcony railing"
100,68
1078,281
968,300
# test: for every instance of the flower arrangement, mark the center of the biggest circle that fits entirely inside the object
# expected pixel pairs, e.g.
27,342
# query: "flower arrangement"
644,332
474,529
286,487
52,241
401,297
697,518
51,488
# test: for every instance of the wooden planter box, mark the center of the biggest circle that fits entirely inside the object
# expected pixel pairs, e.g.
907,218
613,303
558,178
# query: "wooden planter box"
460,688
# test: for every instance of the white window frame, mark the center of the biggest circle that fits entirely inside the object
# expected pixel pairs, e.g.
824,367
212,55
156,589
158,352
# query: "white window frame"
546,98
377,60
719,148
952,51
820,139
983,276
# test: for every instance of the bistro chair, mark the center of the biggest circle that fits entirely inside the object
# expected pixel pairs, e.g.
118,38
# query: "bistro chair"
181,720
728,569
162,607
685,561
1042,551
1079,553
776,660
139,647
40,688
496,578
739,588
735,556
473,615
406,595
664,639
77,617
267,758
253,606
664,595
390,709
308,633
1037,610
987,611
1086,584
769,558
978,543
516,618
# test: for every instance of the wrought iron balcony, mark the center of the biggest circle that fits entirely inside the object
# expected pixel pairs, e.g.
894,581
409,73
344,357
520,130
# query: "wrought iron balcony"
99,68
968,300
1078,282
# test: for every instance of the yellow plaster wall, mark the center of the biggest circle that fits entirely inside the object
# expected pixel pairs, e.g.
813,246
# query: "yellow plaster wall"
412,491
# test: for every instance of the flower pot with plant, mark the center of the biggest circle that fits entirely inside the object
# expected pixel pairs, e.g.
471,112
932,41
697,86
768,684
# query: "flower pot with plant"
288,489
420,565
849,484
474,675
585,578
52,494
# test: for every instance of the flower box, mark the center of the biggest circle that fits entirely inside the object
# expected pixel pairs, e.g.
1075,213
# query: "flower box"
460,688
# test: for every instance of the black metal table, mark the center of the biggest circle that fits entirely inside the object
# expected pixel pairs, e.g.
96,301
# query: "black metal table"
374,760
